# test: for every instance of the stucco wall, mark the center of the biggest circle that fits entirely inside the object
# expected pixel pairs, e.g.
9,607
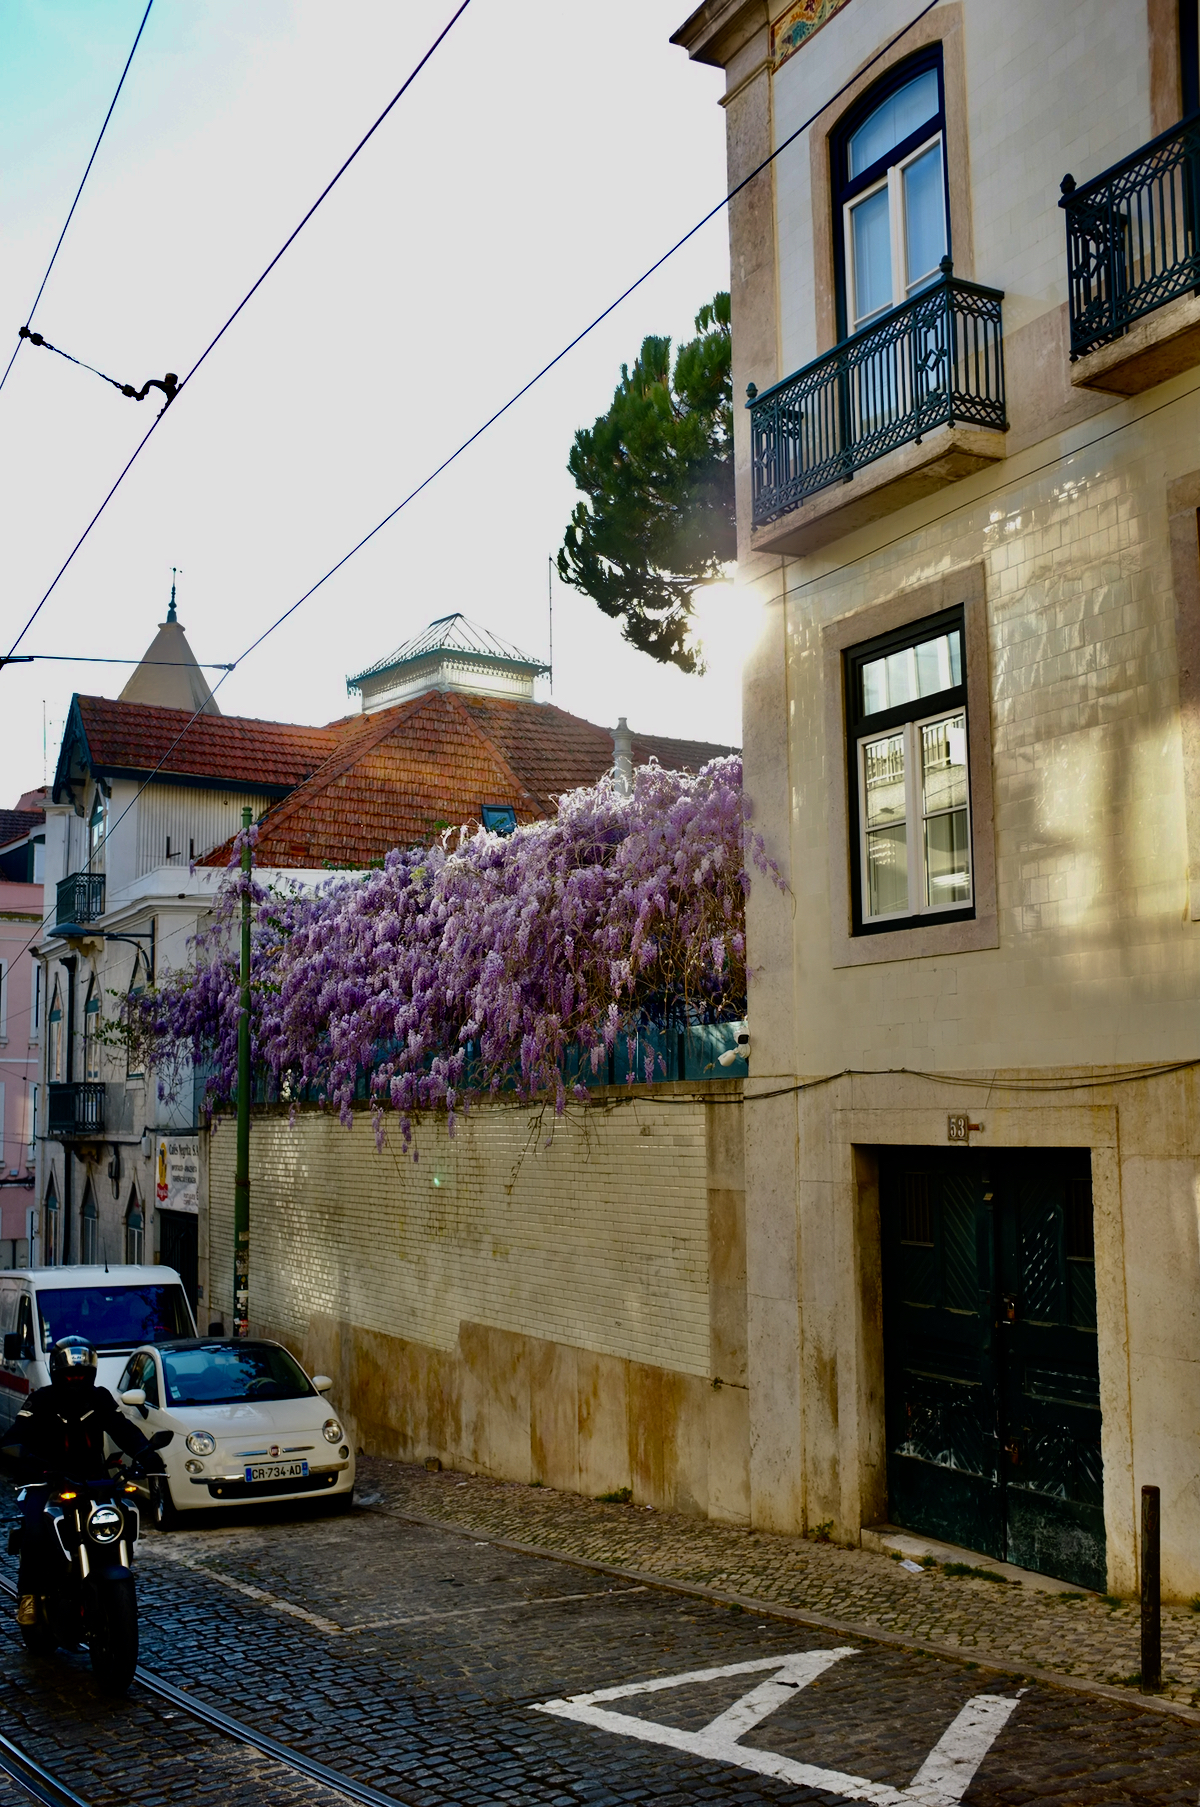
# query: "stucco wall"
570,1310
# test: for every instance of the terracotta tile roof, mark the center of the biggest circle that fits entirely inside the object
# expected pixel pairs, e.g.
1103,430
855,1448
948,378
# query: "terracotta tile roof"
15,824
554,752
394,778
133,737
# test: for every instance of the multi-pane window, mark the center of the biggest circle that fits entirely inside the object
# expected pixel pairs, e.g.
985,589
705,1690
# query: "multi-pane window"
50,1228
97,826
891,183
54,1062
135,1232
88,1225
907,719
91,1038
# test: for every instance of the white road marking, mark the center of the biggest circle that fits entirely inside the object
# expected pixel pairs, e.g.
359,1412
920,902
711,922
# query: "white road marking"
946,1772
941,1781
329,1626
332,1629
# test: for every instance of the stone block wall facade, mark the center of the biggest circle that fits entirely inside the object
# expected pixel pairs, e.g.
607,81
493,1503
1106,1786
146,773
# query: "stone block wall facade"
557,1301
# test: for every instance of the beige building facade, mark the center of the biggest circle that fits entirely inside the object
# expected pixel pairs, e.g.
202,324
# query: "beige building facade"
970,725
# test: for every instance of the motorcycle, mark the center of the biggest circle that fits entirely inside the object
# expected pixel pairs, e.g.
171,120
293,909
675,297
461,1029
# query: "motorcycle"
76,1567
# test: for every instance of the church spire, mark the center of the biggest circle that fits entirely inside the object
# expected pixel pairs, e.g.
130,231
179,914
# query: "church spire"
171,616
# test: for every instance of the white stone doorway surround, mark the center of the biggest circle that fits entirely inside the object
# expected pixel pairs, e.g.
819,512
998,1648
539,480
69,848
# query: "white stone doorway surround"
818,1448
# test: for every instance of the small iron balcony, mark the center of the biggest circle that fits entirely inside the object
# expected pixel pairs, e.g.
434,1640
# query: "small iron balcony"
76,1110
80,900
937,361
1133,243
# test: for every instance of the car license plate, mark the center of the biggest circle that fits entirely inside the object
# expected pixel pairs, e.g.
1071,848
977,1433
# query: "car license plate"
276,1471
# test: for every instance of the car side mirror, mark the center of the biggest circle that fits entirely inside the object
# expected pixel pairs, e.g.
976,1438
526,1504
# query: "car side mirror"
160,1439
322,1383
14,1346
134,1396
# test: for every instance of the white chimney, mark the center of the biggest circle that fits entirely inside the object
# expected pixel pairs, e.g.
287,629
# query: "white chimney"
623,756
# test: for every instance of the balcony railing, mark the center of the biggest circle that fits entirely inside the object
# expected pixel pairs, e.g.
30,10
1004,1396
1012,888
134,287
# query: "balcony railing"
937,361
80,900
1132,240
76,1110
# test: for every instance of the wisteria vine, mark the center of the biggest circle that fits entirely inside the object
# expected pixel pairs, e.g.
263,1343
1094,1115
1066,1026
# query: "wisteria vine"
481,964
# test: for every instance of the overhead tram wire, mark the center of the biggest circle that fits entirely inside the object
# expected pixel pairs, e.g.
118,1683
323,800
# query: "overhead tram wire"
524,390
534,380
74,204
246,298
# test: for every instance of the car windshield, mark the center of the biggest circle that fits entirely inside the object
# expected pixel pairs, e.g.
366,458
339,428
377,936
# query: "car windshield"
113,1317
218,1374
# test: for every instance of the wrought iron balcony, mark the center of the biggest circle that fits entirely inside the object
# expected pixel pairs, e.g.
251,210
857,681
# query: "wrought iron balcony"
76,1110
80,900
1132,237
937,361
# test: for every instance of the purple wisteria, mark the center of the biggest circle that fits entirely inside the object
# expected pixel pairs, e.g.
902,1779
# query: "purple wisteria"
483,963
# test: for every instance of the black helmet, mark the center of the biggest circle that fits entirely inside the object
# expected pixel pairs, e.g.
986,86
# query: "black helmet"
73,1358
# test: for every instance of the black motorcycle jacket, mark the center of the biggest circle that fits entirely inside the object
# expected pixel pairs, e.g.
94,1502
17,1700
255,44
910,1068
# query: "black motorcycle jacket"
60,1430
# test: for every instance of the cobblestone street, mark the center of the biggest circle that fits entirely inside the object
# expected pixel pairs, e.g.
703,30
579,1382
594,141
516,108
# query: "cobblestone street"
438,1664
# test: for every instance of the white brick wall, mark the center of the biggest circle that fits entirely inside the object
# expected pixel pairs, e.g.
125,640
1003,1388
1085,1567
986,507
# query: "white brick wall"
598,1241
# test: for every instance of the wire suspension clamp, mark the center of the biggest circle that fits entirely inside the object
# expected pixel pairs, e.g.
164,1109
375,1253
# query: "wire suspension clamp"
169,384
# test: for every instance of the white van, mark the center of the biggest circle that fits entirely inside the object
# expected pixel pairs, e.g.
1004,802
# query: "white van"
116,1308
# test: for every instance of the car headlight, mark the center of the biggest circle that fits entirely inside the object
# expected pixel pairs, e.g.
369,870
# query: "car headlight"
201,1443
331,1430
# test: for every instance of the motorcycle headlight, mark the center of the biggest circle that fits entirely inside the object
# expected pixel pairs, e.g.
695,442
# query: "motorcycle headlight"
104,1524
201,1443
331,1430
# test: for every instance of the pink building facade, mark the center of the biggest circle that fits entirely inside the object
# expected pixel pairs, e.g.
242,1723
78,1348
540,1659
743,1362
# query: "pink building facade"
20,1030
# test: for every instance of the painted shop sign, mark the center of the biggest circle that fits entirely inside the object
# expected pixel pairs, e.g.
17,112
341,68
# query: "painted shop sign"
177,1173
792,30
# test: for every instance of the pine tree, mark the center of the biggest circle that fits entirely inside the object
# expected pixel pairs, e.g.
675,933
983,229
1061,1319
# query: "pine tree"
657,474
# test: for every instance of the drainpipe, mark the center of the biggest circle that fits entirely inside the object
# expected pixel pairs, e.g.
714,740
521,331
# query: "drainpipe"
623,757
68,965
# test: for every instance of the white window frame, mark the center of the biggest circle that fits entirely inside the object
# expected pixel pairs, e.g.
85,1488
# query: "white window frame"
914,819
893,181
92,1009
3,1000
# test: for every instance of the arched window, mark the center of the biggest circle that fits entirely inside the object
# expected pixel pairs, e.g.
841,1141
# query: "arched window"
91,1039
88,1228
135,1231
54,1053
50,1244
97,825
892,226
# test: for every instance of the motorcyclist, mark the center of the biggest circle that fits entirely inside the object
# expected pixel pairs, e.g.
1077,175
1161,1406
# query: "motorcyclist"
60,1431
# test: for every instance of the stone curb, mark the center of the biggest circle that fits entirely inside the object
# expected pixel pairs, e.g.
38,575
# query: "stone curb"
1052,1678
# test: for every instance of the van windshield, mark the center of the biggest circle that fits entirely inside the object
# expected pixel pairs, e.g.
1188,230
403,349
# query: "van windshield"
113,1317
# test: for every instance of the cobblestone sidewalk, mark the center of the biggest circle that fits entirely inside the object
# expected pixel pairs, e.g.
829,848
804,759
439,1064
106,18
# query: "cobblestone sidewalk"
1067,1633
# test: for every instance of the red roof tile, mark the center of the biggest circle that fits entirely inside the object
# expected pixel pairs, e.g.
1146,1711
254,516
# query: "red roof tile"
396,777
133,738
15,824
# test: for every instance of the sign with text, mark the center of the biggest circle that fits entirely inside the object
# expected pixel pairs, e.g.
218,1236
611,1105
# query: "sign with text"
177,1173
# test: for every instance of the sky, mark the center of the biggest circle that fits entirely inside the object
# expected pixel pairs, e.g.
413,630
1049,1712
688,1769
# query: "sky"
549,152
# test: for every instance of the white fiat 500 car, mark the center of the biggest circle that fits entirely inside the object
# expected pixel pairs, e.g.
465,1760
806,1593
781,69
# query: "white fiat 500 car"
249,1425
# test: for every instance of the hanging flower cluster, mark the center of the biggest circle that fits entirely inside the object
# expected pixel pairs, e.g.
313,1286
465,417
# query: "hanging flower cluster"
484,963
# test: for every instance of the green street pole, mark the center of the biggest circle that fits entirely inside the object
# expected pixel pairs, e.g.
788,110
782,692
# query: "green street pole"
241,1183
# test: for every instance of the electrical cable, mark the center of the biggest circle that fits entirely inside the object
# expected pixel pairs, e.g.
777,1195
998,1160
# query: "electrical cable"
253,290
1060,458
105,659
74,204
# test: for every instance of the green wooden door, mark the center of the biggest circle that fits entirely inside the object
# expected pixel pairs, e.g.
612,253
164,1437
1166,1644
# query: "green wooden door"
1051,1378
991,1379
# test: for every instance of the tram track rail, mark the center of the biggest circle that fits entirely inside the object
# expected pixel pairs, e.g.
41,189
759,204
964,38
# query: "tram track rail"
43,1786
